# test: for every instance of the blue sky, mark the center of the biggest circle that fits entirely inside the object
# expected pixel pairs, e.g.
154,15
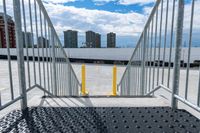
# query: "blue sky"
112,6
124,17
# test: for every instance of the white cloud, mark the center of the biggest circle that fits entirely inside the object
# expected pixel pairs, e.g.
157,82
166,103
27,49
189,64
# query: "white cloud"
100,21
124,24
59,1
129,2
103,0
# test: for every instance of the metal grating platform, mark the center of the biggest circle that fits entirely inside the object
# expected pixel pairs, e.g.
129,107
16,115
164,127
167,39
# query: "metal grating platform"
100,119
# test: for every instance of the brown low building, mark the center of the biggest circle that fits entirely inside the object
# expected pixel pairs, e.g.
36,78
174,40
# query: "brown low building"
11,32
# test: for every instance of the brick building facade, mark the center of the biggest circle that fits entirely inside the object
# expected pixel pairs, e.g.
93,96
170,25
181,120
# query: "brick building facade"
11,31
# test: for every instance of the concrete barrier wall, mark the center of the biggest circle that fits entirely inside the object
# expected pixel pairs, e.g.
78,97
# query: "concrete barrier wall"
118,54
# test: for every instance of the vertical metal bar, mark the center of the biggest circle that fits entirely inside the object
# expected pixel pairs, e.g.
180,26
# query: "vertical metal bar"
140,68
42,41
65,77
189,50
143,62
155,49
160,43
147,56
139,62
137,70
122,89
119,87
8,50
151,53
57,67
20,53
47,54
59,74
135,67
128,80
0,99
134,78
198,96
63,71
171,42
32,40
53,64
165,41
26,44
179,34
64,74
36,26
51,59
69,79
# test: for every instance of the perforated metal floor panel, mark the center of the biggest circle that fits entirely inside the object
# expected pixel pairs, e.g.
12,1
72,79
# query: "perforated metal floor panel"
100,120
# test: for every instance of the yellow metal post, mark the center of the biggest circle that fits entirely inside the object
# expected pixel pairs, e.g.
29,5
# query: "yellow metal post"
83,91
114,81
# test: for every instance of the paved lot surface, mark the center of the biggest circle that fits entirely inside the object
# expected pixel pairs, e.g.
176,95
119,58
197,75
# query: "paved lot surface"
98,82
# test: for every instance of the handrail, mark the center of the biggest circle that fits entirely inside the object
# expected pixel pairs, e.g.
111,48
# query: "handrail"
138,42
51,25
48,67
179,98
145,72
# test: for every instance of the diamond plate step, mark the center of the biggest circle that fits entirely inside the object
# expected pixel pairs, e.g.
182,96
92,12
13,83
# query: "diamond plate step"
100,120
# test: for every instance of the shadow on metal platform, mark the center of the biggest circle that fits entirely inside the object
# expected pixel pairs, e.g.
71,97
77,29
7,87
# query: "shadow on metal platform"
99,119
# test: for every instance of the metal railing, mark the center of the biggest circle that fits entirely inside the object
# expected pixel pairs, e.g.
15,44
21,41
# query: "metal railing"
41,60
158,52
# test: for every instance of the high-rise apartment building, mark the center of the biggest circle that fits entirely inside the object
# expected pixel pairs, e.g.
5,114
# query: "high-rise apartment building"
93,40
90,39
70,39
111,40
11,32
28,40
43,42
98,40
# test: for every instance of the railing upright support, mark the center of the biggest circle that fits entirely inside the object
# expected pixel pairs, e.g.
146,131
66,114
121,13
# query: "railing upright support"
53,63
20,53
129,80
143,63
69,79
179,34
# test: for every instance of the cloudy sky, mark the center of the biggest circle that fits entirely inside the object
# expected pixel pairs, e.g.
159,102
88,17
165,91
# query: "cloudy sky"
124,17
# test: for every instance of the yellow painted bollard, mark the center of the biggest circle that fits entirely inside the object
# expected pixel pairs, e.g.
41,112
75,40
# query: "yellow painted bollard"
83,90
114,85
